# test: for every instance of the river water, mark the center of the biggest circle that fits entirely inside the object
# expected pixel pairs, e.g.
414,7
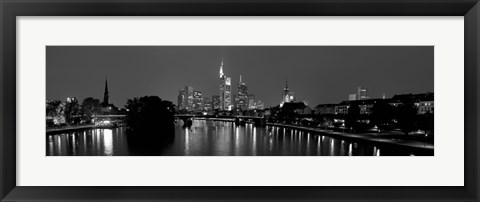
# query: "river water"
209,138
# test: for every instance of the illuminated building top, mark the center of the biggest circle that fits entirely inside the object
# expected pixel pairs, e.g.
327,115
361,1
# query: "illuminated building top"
221,69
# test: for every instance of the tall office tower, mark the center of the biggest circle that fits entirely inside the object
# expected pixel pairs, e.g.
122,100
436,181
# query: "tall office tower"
362,93
251,101
242,95
225,90
235,100
207,103
189,101
228,94
215,102
182,96
197,101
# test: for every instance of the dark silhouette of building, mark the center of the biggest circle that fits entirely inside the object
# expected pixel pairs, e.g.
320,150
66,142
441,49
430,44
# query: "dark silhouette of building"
296,107
106,97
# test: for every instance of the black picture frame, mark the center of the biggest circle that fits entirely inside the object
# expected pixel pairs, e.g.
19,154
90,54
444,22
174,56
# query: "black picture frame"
10,9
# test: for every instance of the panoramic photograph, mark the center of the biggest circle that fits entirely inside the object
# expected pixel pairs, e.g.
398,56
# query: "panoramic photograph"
239,101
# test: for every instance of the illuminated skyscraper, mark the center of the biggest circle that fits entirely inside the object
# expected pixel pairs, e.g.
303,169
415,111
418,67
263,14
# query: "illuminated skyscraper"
188,101
182,96
197,101
215,102
225,91
207,103
242,95
362,93
251,101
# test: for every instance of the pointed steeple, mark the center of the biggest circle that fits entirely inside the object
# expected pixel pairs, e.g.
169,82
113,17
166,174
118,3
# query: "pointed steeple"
240,79
106,98
286,84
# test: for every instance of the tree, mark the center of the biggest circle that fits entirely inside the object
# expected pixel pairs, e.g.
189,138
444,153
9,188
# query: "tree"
52,108
72,112
406,116
91,107
150,113
59,117
426,122
382,115
352,116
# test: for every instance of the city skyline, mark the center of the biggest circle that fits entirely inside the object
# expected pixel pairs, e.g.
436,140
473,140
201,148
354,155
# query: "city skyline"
317,80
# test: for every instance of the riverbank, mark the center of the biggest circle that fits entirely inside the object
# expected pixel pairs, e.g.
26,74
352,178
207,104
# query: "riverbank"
69,129
369,138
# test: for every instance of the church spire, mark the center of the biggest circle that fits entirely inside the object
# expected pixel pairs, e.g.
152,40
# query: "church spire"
286,84
106,98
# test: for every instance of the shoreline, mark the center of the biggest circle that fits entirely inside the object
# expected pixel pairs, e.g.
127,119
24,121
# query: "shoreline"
380,141
68,129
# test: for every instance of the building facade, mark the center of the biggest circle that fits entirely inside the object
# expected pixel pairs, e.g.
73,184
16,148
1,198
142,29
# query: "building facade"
251,101
352,97
197,101
189,100
259,105
323,109
207,104
362,93
181,99
225,91
424,102
242,95
216,102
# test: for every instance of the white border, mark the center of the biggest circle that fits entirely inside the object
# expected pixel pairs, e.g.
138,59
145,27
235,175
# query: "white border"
446,168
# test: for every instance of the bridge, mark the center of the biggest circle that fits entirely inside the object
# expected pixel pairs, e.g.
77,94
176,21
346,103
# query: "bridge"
109,117
240,120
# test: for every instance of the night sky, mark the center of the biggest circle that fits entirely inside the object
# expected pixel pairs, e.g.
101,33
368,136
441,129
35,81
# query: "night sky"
317,74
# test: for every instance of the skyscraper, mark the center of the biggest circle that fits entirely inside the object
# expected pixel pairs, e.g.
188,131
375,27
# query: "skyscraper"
106,97
189,100
182,96
242,95
197,101
207,103
228,94
251,101
362,93
225,90
215,102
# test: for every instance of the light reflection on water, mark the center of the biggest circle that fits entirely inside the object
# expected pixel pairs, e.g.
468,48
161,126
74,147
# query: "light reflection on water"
210,138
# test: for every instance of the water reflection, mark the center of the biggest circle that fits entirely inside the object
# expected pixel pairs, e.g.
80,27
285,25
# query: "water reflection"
96,142
207,138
